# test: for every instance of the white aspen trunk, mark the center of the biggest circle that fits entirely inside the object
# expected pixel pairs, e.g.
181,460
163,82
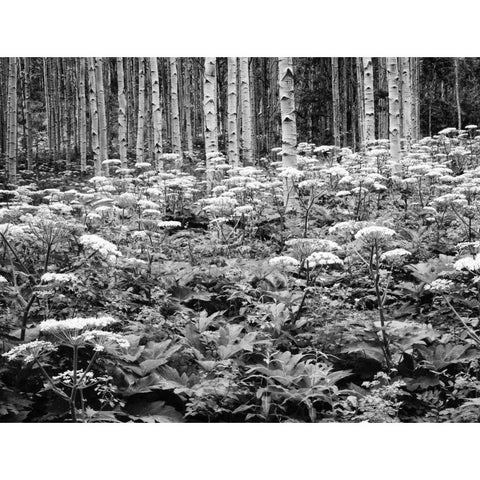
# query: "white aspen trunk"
247,139
13,111
176,140
187,94
336,102
394,110
47,105
233,155
361,102
82,110
368,99
457,94
92,97
141,111
210,114
415,109
122,113
210,106
289,125
102,120
156,114
407,101
28,114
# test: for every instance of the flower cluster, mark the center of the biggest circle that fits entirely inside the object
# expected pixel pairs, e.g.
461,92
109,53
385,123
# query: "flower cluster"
58,277
394,255
440,285
374,233
468,263
76,324
284,262
318,259
99,245
28,352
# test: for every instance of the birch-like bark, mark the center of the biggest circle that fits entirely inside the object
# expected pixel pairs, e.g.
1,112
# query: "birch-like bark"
368,99
233,155
210,106
102,119
13,104
156,114
92,99
47,105
176,140
336,102
360,102
122,113
394,110
141,111
289,125
28,114
187,96
247,139
82,111
457,94
407,101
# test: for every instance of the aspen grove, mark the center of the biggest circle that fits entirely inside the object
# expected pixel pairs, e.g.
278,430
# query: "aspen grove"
239,239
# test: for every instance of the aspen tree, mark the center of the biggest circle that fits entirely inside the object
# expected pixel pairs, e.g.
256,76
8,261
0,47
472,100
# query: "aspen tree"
368,99
46,91
233,155
247,140
131,107
141,111
187,96
102,119
156,114
82,112
122,113
28,113
12,116
394,110
407,101
289,125
336,102
92,100
360,102
457,94
382,114
176,140
344,104
210,106
415,67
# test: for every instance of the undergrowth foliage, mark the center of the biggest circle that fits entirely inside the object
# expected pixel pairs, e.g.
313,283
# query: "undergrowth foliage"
148,296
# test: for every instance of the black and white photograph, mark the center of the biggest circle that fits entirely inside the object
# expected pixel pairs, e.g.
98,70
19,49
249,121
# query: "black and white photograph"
244,243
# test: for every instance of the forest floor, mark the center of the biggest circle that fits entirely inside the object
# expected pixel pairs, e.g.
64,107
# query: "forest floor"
139,297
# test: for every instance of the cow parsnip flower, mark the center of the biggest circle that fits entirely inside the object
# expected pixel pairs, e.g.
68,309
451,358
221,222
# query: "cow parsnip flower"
440,285
323,259
374,233
28,352
284,261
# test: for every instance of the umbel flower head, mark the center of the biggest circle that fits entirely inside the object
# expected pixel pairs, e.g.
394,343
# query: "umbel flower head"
71,331
28,352
374,233
325,259
284,261
99,245
468,263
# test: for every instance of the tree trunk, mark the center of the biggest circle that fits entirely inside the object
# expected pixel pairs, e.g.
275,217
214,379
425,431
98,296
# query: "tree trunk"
336,102
407,101
233,155
122,113
12,114
141,111
28,114
247,142
187,95
361,103
102,119
457,94
369,135
289,125
82,111
176,140
394,110
92,97
156,114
